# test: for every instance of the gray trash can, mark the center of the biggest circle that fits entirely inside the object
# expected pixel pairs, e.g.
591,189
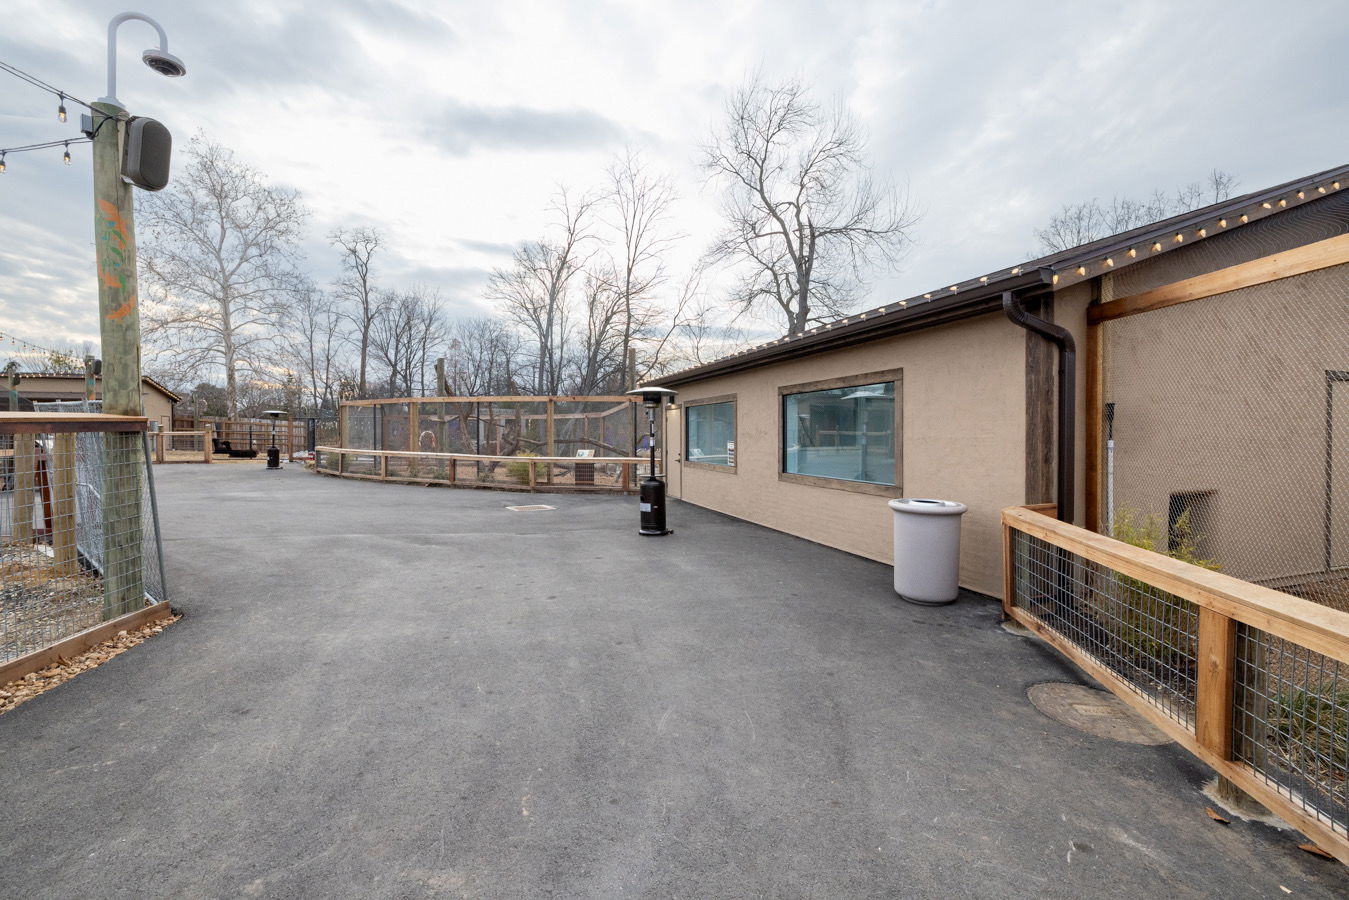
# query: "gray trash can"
927,550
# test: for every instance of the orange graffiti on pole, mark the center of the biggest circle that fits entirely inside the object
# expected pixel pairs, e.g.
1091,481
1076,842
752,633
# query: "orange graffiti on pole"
115,261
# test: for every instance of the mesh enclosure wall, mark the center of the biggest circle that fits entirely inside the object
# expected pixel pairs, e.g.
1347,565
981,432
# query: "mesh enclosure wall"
1228,427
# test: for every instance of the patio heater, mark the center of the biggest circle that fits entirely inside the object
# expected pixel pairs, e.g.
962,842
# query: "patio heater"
651,493
274,454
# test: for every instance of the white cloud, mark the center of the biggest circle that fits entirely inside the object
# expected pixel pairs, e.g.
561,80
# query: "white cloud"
450,127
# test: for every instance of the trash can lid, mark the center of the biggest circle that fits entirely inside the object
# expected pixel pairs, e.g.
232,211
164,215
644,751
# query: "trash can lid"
927,507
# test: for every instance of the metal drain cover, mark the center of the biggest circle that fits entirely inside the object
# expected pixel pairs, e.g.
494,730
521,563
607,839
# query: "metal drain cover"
1098,713
537,507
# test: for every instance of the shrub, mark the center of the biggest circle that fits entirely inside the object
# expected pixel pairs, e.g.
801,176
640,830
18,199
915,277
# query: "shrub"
519,471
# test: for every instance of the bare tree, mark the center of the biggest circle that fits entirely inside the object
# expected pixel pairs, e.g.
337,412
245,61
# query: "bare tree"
600,363
532,292
220,262
401,339
1081,223
314,338
357,290
803,216
483,357
640,202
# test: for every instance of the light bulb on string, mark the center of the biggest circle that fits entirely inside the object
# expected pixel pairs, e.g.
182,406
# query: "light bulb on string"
66,157
2,162
61,109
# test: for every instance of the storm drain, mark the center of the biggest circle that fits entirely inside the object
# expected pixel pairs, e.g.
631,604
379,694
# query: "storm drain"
537,507
1098,713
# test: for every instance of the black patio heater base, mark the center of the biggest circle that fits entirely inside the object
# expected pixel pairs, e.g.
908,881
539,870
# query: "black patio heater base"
651,492
273,458
651,500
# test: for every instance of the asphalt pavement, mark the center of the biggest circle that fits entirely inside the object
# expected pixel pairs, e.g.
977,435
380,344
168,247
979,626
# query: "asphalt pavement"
394,691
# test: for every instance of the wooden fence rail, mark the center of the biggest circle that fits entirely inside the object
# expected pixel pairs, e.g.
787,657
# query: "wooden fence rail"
530,473
159,441
1241,664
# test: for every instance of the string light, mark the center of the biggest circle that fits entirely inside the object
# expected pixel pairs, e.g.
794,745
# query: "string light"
2,162
66,155
61,109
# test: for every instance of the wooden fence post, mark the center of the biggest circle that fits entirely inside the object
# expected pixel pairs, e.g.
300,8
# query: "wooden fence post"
24,469
1213,699
1008,572
63,504
206,444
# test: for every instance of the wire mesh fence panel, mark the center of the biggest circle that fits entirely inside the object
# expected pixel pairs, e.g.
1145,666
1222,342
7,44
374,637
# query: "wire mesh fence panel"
1227,433
1291,723
1146,636
79,544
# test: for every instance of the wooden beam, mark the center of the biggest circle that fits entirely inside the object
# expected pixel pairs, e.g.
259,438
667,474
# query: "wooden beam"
1008,572
1094,452
1214,697
78,643
1298,261
25,472
63,504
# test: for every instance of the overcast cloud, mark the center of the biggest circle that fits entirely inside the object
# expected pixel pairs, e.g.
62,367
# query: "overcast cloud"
450,125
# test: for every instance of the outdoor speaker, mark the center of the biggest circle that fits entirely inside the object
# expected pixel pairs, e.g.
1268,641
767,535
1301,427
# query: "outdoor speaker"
148,148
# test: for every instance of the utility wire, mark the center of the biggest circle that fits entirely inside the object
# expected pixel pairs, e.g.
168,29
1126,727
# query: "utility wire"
45,146
39,83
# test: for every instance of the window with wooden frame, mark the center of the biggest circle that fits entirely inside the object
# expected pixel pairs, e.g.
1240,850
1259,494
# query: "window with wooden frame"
844,433
709,433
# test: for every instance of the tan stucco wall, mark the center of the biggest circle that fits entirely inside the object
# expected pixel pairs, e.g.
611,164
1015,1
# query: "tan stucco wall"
963,439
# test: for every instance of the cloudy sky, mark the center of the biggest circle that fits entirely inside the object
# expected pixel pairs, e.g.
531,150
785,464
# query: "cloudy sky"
449,125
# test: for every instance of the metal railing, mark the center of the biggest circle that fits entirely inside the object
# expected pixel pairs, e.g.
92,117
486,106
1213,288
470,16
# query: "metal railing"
518,473
1253,681
79,535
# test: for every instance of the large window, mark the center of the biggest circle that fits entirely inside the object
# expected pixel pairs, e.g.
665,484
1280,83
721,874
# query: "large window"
709,433
844,434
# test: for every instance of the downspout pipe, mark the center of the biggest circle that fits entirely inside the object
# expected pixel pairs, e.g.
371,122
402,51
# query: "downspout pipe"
1067,403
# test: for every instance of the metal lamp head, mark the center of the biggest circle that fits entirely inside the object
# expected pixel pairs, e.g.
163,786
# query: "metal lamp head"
164,62
652,397
274,413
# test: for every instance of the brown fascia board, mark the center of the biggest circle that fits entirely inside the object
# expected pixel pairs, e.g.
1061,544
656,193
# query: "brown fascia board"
1057,271
79,376
976,301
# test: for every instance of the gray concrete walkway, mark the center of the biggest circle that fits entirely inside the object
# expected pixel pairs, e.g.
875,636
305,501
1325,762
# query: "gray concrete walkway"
387,691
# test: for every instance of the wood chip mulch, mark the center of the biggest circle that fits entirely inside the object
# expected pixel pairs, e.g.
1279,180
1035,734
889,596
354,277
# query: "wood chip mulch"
61,671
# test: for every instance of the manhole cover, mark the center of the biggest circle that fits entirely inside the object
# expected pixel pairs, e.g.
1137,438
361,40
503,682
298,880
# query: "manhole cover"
1096,712
537,507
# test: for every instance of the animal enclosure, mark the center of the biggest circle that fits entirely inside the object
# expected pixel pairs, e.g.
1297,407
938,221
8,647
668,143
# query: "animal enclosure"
535,443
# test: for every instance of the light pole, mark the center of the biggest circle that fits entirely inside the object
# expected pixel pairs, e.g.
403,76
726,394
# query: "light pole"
114,230
651,494
119,329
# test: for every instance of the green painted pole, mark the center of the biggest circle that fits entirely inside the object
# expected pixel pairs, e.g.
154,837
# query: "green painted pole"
119,327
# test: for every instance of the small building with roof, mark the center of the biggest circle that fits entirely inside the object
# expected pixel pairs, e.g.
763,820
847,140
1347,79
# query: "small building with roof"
43,387
1190,376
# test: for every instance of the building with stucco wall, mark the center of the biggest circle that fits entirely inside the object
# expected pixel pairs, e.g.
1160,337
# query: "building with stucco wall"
1210,380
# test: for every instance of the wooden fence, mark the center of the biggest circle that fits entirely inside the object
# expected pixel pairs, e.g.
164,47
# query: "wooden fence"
161,441
79,540
531,473
251,434
1252,681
